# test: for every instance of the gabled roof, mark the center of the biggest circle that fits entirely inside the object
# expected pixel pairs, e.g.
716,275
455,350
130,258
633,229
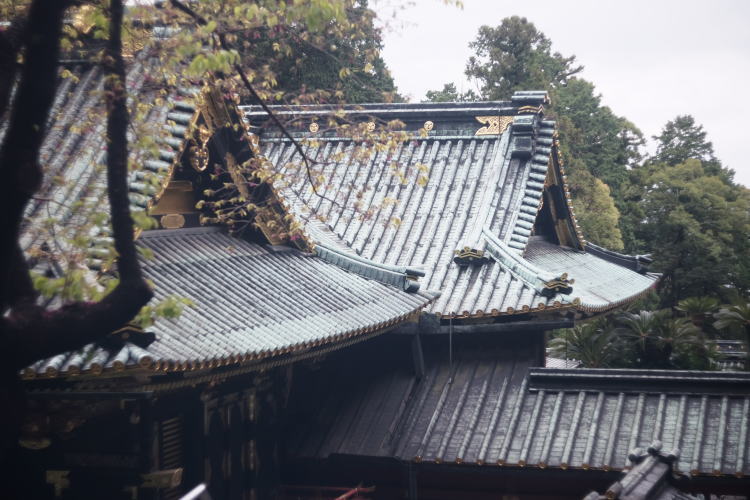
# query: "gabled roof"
492,167
490,407
253,303
74,149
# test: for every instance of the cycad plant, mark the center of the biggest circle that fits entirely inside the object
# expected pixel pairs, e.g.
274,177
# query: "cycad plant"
735,317
640,331
660,341
593,344
685,343
698,309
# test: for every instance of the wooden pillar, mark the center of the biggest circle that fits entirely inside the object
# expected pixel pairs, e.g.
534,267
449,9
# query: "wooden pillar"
417,355
539,343
215,454
235,469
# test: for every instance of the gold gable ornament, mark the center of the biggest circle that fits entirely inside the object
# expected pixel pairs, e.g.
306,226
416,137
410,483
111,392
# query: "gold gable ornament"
172,221
468,256
199,149
493,125
561,285
530,109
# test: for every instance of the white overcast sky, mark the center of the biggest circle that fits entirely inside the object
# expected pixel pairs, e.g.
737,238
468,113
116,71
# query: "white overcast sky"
650,60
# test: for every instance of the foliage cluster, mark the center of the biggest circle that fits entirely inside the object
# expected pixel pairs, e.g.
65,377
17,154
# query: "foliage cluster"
597,146
683,338
681,205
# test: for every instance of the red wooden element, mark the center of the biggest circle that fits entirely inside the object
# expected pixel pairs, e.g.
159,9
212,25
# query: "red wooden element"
326,492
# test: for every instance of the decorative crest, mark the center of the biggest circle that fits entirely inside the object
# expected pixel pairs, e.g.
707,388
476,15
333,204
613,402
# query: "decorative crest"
561,285
172,221
199,149
493,125
530,109
469,257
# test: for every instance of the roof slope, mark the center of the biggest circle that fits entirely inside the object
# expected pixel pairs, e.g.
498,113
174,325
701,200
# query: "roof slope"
74,149
599,283
483,180
251,303
650,478
491,408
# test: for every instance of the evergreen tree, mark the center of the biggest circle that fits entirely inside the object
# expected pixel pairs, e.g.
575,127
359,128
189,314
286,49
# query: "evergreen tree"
598,146
683,139
332,65
516,56
595,210
696,225
451,94
606,143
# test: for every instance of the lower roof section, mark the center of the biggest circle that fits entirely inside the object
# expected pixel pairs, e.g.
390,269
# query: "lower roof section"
489,406
251,302
599,283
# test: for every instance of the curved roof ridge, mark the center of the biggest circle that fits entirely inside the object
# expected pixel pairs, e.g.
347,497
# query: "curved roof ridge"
254,112
74,146
531,140
542,281
403,277
637,263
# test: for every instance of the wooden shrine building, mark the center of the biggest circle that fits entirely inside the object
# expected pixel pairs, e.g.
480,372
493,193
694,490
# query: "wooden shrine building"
400,346
460,405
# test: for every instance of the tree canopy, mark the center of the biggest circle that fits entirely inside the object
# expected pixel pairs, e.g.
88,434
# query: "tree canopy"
680,204
450,93
596,144
516,56
697,226
335,64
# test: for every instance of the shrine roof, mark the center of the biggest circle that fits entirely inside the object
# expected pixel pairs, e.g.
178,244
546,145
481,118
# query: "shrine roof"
252,304
489,406
490,169
74,149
